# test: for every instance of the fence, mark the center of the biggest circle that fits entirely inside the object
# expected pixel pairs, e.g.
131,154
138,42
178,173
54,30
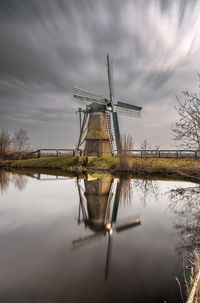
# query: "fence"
49,152
164,153
136,153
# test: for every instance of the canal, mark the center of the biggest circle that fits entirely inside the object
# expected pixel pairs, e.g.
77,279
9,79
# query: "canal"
93,239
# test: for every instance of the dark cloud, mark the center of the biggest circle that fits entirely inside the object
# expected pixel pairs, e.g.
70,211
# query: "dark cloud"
46,47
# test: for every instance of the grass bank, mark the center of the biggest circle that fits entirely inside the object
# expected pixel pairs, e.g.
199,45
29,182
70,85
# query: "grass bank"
183,168
63,163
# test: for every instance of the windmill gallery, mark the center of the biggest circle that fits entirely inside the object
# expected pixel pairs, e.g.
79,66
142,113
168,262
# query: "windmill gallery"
99,127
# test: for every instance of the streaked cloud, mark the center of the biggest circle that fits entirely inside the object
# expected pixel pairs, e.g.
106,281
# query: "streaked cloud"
49,46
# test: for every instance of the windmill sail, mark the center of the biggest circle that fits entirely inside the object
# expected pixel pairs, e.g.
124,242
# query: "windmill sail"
127,223
110,76
128,109
116,129
87,239
86,95
113,130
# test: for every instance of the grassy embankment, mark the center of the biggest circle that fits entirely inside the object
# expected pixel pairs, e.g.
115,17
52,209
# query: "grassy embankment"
139,166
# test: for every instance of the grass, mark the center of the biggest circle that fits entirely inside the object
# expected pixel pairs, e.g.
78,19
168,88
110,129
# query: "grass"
184,168
61,162
105,163
167,166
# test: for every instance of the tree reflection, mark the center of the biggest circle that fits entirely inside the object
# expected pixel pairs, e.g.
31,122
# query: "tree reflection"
4,181
19,181
6,178
185,203
125,191
149,188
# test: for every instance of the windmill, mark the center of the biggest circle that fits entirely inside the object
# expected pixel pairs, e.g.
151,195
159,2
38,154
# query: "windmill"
98,209
99,127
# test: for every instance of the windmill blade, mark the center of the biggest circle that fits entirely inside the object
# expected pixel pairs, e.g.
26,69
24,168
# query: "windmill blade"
81,204
108,256
128,109
107,214
127,223
87,240
115,203
110,76
86,95
116,129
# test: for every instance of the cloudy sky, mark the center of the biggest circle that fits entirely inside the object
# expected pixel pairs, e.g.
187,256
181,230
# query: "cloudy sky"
47,46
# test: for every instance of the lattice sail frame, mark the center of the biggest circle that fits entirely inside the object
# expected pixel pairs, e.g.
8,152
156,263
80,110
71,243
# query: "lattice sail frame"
86,95
110,76
127,109
121,108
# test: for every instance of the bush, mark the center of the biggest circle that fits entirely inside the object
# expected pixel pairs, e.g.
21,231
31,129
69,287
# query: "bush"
124,153
16,155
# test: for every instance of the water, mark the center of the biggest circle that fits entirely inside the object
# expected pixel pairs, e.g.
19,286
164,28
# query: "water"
65,240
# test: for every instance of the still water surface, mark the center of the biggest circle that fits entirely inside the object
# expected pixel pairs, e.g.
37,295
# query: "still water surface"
95,240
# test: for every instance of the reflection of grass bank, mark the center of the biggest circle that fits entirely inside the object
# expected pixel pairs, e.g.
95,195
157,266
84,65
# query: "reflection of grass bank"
198,292
198,287
193,286
197,263
146,167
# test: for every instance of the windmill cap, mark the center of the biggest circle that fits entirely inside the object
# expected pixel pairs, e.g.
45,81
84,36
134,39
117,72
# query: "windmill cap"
97,107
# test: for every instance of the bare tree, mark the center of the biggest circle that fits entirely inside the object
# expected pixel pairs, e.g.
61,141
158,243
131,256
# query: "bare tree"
148,160
4,141
21,140
146,146
186,131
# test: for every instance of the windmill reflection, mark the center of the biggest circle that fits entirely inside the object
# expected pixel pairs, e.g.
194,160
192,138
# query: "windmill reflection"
98,209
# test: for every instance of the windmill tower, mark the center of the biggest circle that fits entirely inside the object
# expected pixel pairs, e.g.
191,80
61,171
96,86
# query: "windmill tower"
99,127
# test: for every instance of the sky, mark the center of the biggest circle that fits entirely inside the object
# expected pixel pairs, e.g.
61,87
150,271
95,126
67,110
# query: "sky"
48,46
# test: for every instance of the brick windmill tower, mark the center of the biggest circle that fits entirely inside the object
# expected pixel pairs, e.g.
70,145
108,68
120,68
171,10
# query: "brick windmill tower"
99,127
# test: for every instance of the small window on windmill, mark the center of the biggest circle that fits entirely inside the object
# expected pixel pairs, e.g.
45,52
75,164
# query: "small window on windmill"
94,143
